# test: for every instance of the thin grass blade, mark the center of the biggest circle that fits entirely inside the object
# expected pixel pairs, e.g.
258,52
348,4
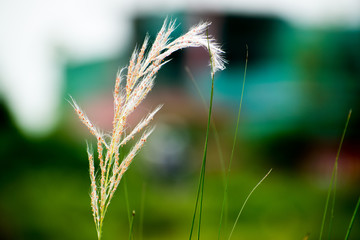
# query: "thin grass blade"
200,193
207,132
233,147
126,195
352,220
247,198
332,185
131,225
142,207
213,125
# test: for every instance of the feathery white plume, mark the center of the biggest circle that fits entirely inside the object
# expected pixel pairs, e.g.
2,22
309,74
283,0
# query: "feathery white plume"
141,73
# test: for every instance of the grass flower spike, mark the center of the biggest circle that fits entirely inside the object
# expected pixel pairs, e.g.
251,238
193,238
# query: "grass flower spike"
141,72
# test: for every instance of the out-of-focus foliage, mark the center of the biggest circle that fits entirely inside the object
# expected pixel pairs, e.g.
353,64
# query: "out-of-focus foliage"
300,85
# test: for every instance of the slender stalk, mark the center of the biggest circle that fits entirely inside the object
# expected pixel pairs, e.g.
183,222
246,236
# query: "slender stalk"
233,147
131,224
213,125
142,206
352,220
333,199
196,204
98,233
333,181
207,134
215,132
247,198
126,195
200,192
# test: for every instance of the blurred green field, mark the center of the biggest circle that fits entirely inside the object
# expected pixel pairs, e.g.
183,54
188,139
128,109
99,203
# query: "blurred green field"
45,195
300,86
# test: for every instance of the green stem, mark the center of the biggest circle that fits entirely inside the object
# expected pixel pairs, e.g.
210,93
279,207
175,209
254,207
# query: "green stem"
213,125
233,147
352,220
99,235
247,198
142,206
127,199
200,192
131,224
196,203
207,135
205,153
215,132
333,181
333,199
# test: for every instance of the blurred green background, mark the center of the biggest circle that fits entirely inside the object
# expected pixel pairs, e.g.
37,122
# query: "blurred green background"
300,85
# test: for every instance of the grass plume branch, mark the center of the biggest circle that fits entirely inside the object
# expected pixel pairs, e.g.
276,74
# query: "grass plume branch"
130,90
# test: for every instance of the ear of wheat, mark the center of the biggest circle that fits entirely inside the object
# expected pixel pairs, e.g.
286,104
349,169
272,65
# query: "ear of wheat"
141,72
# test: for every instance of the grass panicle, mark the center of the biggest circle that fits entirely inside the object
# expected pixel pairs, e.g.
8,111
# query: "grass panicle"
129,91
